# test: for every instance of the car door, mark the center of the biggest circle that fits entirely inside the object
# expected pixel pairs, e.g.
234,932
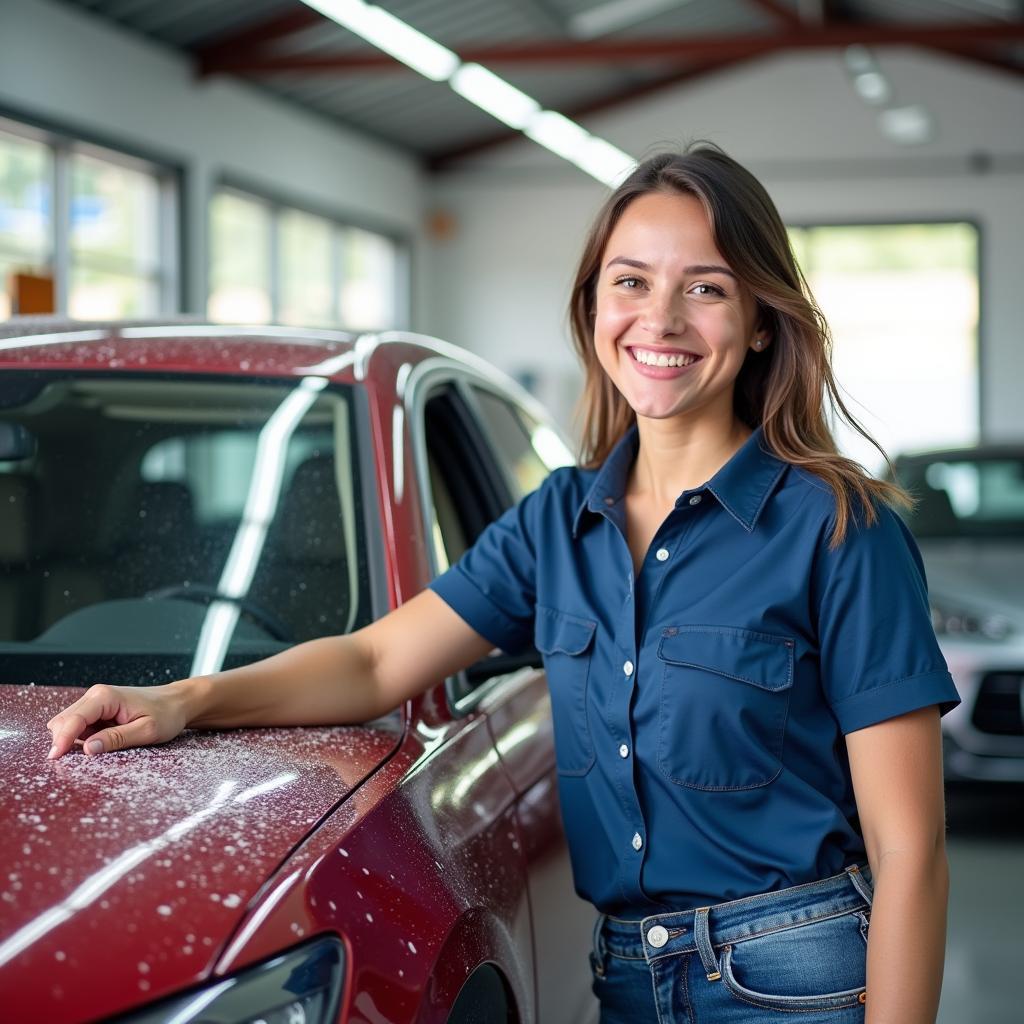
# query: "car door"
526,448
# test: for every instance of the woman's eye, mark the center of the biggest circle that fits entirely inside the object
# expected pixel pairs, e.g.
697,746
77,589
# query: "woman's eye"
629,283
707,289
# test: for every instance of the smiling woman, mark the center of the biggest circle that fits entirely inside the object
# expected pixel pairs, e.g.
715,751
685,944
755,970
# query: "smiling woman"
745,684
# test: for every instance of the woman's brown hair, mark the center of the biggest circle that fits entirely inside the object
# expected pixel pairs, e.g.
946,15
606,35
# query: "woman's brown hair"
784,388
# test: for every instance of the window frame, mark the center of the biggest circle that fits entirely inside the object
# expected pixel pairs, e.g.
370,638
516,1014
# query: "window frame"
64,145
426,381
277,203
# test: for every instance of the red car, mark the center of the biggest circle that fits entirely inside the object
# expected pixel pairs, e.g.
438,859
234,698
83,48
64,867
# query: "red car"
174,499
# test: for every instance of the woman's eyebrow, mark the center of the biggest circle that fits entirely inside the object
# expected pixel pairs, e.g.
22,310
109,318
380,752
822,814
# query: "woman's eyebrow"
699,268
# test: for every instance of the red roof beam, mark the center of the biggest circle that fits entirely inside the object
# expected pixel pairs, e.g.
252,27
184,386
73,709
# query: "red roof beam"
249,43
718,47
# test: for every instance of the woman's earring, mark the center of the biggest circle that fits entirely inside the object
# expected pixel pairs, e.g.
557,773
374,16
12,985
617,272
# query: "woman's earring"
759,344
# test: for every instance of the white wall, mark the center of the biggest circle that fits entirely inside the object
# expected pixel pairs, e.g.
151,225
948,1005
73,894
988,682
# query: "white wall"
501,281
78,72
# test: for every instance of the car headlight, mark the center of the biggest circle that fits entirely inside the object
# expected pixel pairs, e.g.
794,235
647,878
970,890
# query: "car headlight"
950,622
299,987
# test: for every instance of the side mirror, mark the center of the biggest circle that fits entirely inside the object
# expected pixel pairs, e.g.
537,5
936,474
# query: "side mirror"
16,442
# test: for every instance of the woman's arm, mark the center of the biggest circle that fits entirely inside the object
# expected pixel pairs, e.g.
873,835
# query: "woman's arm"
896,767
333,680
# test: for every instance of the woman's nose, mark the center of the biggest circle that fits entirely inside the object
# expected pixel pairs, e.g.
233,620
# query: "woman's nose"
662,316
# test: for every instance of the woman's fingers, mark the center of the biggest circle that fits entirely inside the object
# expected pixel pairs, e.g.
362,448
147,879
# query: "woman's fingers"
99,704
139,733
115,717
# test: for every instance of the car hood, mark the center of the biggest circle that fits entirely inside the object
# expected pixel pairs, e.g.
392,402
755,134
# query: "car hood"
977,575
135,867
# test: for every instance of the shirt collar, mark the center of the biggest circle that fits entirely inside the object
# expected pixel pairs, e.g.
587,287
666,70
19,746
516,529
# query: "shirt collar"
742,486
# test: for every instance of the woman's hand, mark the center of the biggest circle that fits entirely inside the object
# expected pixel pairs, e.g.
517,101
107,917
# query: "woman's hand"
114,717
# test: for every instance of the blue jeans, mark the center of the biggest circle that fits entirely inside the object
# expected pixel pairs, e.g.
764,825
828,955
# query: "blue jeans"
796,954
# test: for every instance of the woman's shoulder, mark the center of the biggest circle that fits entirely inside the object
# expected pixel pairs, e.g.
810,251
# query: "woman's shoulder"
867,513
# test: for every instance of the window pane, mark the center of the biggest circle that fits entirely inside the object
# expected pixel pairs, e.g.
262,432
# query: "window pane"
305,269
26,171
115,214
902,302
25,196
100,295
509,435
369,280
239,260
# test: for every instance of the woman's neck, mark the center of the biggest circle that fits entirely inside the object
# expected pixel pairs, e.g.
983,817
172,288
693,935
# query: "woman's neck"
674,457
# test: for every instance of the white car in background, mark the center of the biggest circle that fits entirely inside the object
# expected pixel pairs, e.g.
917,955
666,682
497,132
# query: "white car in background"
969,524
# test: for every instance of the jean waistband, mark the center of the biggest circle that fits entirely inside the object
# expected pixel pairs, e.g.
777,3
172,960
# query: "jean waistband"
703,928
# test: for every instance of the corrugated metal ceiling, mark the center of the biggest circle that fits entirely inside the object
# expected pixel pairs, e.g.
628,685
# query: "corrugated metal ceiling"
427,119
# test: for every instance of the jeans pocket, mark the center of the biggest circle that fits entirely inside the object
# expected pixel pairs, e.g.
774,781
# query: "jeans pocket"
815,965
723,708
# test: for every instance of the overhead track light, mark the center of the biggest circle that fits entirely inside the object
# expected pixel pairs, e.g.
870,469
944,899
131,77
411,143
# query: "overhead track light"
480,86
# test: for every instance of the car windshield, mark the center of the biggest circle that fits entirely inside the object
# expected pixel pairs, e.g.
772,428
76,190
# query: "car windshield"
970,496
153,528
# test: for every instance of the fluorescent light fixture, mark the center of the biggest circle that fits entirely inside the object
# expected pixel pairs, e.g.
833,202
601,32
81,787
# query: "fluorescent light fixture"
909,126
556,132
872,87
859,59
392,35
493,94
616,14
605,162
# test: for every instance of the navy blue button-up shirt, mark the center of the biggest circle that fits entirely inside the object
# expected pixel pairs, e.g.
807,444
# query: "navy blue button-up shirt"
699,709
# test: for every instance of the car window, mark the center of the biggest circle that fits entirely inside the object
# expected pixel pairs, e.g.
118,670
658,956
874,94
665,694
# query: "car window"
468,489
511,437
966,497
169,527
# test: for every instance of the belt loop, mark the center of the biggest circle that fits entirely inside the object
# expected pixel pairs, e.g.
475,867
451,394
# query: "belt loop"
703,939
860,883
598,955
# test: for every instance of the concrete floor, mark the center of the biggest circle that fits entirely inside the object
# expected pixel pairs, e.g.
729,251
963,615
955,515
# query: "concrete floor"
985,940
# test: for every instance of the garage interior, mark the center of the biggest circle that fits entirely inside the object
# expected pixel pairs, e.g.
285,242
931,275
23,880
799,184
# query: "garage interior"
366,196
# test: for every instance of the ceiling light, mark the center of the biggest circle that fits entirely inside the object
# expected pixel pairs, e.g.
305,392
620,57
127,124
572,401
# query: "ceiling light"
556,132
872,87
859,59
392,35
605,162
487,90
910,126
495,95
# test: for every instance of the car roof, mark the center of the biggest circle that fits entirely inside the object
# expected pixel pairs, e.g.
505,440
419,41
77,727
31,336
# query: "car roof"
972,453
191,345
188,346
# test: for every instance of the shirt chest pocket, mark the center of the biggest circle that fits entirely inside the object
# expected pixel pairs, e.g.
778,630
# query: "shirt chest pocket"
566,641
723,706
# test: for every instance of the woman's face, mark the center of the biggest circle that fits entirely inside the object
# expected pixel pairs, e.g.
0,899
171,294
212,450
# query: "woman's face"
673,324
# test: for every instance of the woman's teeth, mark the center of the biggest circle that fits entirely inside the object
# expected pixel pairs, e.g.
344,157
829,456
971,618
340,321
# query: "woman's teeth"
655,359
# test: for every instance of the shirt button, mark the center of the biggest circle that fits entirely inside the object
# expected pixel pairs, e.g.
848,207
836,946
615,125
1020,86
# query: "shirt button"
638,841
661,554
695,500
623,751
657,936
609,501
628,668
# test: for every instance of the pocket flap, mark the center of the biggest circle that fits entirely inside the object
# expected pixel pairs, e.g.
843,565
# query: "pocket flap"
561,632
757,658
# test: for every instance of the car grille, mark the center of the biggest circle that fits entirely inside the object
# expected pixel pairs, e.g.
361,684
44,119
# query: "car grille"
998,707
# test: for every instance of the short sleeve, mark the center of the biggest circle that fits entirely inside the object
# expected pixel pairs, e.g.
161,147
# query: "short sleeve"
493,585
879,655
